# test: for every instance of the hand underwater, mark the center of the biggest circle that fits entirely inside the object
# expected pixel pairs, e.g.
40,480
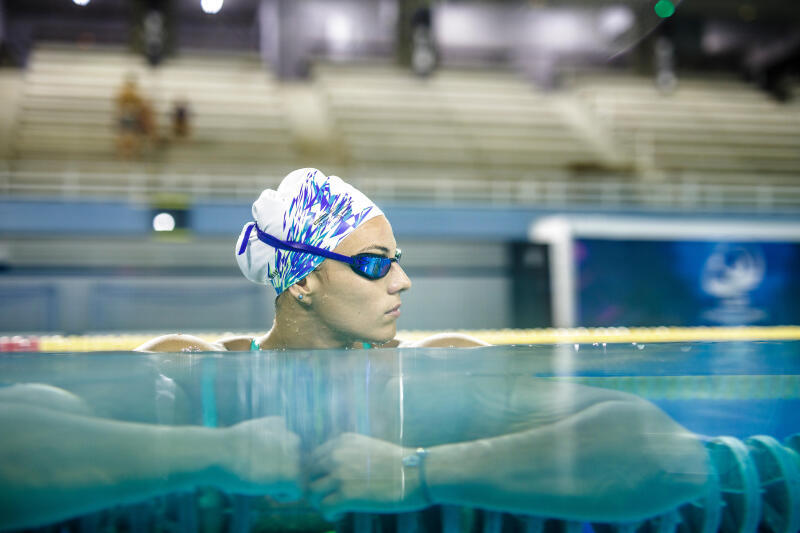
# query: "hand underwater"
359,473
262,457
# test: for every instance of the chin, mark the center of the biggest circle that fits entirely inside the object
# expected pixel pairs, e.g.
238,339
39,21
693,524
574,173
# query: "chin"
384,335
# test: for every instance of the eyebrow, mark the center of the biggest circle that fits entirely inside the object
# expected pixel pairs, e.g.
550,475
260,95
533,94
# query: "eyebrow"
375,247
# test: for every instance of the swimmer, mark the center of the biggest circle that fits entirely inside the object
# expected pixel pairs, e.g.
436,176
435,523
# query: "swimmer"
511,443
332,258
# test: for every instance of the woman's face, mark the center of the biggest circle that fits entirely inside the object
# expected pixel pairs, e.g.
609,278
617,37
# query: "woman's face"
356,308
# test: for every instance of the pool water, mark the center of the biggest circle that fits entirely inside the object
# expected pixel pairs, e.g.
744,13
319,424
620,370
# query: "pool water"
740,400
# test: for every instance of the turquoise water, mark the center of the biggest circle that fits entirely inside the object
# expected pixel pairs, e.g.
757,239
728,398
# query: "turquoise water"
525,438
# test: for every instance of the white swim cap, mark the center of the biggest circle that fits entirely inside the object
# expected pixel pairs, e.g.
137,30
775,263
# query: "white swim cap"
309,208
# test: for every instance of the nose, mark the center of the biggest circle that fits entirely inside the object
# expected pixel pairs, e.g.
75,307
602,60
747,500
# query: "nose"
398,281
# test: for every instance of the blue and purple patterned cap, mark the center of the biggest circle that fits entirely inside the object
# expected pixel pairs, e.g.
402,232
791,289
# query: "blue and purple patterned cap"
310,208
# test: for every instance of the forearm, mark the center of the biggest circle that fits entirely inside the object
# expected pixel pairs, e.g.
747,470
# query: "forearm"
614,461
57,465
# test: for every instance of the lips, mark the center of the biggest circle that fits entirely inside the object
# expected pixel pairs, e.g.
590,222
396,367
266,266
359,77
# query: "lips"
394,311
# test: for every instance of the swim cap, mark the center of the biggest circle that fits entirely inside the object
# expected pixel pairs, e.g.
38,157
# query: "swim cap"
309,208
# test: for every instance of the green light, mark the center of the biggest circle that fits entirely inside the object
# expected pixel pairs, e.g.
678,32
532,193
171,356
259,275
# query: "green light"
664,9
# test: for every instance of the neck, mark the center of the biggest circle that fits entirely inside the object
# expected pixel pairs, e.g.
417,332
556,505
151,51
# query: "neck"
296,327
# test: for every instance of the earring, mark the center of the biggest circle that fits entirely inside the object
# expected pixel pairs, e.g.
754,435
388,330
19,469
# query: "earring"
299,296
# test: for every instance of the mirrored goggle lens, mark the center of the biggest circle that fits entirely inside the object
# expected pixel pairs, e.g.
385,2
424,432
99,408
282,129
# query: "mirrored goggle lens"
373,267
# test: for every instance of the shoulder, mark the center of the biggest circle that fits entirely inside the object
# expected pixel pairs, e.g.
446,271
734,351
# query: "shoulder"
178,342
441,340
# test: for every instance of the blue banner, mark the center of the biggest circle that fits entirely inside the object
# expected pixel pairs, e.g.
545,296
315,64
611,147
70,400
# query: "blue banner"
687,283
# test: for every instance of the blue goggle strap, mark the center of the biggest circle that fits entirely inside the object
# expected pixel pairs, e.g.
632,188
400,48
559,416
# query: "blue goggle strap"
291,246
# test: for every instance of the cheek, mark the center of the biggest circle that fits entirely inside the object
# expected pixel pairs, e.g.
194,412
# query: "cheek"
352,302
339,298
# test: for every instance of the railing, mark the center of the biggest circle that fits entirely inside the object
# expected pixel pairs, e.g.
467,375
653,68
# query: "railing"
432,189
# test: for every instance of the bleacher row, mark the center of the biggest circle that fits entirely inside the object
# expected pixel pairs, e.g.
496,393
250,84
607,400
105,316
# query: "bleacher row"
379,122
720,129
67,109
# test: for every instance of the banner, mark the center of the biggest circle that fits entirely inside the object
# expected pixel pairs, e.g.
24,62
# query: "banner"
686,283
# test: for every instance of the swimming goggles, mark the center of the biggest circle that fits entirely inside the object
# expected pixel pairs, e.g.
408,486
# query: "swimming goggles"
370,266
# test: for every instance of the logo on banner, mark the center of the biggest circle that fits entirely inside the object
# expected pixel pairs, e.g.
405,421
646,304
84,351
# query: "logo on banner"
730,274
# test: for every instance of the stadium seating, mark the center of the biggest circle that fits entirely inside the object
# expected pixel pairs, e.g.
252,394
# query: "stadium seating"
470,124
67,109
476,132
707,130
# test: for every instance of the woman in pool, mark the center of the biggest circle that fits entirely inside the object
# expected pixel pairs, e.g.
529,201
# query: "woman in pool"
331,256
511,443
350,300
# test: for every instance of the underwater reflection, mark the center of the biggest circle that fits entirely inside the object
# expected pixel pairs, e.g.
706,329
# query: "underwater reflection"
298,440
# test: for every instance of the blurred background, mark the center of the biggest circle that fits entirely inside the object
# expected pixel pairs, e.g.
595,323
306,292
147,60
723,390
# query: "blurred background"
544,163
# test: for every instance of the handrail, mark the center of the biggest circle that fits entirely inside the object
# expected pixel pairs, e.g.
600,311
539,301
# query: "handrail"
434,189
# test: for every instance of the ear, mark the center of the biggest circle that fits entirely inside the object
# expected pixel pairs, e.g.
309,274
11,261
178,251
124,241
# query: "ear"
301,292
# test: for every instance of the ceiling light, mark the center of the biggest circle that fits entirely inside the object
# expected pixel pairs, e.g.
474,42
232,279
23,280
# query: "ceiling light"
211,6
